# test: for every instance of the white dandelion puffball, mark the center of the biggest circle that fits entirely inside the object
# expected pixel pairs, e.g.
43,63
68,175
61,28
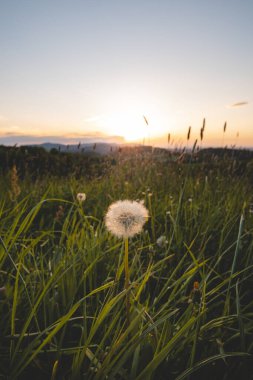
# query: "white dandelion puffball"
161,241
81,197
126,218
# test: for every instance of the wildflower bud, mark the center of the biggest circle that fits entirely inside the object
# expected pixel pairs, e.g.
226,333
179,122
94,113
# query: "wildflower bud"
195,296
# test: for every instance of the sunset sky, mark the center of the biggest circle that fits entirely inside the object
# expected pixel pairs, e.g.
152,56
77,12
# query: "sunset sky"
77,70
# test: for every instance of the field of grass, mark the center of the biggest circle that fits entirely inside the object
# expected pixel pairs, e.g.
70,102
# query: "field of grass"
62,279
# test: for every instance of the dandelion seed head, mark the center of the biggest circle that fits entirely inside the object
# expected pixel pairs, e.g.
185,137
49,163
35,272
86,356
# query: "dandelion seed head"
81,197
126,218
161,241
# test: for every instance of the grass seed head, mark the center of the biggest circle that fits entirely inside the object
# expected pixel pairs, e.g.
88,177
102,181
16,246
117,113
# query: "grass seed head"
15,188
189,133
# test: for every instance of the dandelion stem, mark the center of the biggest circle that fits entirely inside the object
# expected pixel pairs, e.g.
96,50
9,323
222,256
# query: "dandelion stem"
127,281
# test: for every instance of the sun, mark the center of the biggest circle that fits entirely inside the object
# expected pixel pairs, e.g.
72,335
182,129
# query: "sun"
131,126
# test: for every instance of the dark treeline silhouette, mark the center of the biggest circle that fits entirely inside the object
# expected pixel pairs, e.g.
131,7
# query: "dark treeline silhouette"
36,162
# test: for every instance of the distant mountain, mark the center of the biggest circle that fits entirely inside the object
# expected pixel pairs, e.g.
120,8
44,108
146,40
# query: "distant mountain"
96,148
21,140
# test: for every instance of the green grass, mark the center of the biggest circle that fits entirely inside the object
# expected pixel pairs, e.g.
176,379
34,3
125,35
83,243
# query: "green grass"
63,311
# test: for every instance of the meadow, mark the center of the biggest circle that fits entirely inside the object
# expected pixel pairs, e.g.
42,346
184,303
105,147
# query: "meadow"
62,273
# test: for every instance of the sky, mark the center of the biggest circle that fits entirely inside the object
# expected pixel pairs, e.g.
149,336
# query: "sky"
135,71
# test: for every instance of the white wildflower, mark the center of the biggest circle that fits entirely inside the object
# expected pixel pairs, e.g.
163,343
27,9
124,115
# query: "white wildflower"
81,197
161,241
126,218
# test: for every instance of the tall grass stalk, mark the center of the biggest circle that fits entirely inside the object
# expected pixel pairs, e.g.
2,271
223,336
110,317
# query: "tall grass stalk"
237,249
126,264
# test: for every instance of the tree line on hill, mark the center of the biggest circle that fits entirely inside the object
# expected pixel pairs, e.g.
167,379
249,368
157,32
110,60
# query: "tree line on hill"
36,162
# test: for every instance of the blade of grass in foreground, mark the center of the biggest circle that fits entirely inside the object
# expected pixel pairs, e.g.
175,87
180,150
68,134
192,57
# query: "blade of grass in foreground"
106,309
212,359
165,351
31,354
237,249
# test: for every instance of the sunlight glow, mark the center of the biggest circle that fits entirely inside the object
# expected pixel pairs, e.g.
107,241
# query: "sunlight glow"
129,125
137,121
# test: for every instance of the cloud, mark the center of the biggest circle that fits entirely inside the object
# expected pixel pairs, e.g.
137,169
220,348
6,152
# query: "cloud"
238,104
9,130
13,129
78,135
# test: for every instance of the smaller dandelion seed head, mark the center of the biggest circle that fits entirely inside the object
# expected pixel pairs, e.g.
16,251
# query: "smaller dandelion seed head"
81,197
126,218
161,241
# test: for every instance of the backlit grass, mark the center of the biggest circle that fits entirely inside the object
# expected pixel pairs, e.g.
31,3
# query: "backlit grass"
63,311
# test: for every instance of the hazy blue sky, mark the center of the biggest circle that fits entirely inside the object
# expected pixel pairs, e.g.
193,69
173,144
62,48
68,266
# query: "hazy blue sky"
80,68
